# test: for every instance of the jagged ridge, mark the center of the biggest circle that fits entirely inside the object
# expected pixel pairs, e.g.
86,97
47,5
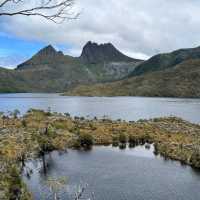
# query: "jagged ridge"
50,70
94,53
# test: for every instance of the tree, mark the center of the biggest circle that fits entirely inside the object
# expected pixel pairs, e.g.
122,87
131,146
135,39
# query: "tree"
53,10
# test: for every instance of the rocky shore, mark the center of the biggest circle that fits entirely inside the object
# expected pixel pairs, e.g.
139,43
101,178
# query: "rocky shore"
38,132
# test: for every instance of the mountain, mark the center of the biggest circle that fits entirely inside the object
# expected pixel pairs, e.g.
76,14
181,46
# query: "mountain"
93,53
46,55
102,70
167,60
50,70
180,81
175,74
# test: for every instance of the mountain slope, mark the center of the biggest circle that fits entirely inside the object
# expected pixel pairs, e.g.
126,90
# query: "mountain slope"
46,57
180,81
52,71
167,60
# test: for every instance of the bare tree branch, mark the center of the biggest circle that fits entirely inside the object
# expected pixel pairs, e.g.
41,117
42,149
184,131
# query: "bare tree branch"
54,10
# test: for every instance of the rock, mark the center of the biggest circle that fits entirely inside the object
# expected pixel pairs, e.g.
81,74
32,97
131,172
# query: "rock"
95,53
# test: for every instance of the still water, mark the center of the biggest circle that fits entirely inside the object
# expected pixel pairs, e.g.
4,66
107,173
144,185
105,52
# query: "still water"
114,174
126,108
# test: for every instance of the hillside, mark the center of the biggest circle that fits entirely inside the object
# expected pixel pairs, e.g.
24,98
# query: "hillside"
50,70
180,81
166,60
102,70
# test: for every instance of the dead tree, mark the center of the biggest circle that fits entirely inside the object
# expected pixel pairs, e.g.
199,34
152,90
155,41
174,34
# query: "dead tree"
53,10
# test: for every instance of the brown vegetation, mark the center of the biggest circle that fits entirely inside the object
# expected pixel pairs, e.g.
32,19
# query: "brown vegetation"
38,132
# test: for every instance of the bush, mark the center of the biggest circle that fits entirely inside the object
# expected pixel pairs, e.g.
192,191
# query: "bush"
15,183
122,138
24,124
86,140
115,140
132,139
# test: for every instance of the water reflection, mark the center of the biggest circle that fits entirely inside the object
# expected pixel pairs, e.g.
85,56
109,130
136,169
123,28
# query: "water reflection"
116,174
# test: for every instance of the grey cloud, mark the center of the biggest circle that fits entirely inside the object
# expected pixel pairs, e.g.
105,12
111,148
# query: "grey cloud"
141,28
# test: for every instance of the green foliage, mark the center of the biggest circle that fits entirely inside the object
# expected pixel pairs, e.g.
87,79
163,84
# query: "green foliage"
44,140
15,183
195,159
131,139
60,124
86,140
122,138
48,113
115,140
24,124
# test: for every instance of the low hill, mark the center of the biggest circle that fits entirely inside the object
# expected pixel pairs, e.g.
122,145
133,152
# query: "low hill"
182,80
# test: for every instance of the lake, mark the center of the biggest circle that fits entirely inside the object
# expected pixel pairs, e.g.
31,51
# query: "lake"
114,174
126,108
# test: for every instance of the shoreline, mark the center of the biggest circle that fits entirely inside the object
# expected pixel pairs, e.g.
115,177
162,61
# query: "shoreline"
38,132
66,94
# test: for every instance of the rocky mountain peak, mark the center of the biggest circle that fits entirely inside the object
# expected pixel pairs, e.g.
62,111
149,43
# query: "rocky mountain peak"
47,55
48,50
100,53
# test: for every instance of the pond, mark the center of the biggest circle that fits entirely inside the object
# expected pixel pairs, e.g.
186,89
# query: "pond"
126,108
114,174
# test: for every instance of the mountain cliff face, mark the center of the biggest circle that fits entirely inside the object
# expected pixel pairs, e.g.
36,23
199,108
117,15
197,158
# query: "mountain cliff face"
93,53
50,70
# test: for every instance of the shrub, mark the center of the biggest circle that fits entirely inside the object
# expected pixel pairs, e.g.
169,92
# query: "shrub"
122,138
86,140
132,139
15,183
24,124
115,140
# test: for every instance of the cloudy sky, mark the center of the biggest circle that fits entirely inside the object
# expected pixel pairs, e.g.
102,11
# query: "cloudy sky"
139,28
